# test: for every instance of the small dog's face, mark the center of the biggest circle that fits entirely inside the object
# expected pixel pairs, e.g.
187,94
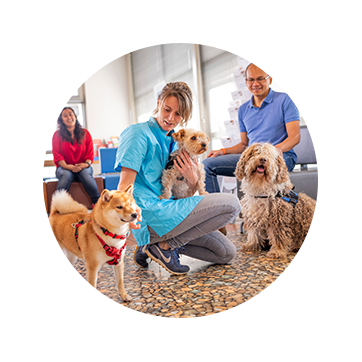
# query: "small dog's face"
119,205
194,142
261,162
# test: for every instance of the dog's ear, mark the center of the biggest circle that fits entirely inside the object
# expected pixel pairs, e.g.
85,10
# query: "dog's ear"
106,195
129,189
178,136
239,171
240,167
282,174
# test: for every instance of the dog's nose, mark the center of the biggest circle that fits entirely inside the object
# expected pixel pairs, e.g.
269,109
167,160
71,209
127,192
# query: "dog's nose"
134,215
203,145
262,160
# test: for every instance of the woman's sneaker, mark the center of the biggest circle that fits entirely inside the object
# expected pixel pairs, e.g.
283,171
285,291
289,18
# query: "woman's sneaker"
168,259
140,257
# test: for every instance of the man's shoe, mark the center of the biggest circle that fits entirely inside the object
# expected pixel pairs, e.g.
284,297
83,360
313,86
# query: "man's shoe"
140,257
168,259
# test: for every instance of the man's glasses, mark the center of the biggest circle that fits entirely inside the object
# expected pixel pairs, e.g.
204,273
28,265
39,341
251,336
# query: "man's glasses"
258,80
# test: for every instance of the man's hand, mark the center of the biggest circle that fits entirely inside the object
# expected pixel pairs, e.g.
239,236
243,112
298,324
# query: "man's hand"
215,153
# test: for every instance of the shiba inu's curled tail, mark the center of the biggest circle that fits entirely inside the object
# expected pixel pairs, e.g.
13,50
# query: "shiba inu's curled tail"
63,203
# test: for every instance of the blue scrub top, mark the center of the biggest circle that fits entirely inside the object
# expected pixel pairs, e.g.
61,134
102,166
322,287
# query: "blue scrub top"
267,123
145,148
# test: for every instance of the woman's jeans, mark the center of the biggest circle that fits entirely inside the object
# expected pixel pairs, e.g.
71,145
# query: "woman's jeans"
198,233
66,177
225,166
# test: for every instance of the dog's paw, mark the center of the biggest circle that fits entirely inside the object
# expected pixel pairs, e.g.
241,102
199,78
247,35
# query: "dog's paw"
276,254
126,298
203,193
247,248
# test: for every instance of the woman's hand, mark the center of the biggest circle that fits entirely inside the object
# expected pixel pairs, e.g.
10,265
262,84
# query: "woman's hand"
74,168
133,225
82,165
127,178
188,168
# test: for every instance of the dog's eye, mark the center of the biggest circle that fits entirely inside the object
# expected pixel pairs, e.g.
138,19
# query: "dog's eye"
193,138
119,207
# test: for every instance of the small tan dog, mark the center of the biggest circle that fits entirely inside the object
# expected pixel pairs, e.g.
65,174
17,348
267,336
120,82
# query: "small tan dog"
273,214
98,237
194,143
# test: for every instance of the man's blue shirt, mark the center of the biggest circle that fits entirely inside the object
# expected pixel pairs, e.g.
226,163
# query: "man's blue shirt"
268,123
145,148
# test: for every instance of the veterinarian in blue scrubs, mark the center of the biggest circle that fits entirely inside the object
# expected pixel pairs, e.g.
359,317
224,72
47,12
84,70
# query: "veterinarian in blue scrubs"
171,227
268,117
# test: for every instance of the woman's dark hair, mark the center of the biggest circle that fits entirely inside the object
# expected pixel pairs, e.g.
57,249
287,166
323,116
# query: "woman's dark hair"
66,135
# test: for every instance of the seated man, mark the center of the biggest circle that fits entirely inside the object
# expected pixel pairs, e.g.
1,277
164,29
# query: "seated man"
268,117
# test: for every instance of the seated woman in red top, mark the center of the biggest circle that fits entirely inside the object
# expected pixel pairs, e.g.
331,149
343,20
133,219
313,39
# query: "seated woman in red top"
73,154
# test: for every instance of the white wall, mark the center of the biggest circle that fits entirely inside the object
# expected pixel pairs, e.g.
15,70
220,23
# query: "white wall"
107,100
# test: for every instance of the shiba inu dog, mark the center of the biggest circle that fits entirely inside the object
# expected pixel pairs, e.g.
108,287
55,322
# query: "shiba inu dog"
98,237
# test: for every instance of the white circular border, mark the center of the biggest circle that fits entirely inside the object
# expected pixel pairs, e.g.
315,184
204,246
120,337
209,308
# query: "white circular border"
216,315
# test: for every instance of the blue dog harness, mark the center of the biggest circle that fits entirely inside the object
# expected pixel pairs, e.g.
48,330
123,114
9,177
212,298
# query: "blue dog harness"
291,198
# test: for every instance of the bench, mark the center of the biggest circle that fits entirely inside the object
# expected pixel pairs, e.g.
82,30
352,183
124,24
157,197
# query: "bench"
77,191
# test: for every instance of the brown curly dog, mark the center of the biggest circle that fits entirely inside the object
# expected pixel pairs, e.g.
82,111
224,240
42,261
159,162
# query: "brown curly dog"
273,215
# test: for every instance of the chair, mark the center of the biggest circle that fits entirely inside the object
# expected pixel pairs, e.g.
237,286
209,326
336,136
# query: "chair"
107,158
305,179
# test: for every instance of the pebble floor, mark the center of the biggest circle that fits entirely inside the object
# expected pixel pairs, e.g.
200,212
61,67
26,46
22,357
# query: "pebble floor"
205,290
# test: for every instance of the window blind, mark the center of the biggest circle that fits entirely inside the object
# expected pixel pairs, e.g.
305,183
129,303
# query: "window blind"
158,65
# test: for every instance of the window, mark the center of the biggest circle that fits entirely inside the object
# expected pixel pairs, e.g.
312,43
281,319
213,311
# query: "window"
218,69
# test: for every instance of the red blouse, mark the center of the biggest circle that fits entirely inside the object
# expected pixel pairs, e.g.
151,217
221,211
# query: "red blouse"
72,154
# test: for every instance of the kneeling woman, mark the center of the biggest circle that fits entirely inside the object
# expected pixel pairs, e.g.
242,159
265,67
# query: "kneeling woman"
171,227
73,154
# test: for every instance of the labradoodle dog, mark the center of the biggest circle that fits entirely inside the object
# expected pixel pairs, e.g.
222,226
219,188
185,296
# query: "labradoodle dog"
274,216
194,143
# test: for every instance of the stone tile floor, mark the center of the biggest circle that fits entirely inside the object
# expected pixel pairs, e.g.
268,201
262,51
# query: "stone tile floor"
205,290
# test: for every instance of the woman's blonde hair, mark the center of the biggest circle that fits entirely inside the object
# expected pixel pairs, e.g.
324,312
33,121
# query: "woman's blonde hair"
183,93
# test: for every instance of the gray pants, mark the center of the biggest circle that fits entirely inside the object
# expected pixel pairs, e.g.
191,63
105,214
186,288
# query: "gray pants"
199,234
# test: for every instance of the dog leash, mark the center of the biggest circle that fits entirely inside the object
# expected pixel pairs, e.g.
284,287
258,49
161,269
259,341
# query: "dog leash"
110,250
